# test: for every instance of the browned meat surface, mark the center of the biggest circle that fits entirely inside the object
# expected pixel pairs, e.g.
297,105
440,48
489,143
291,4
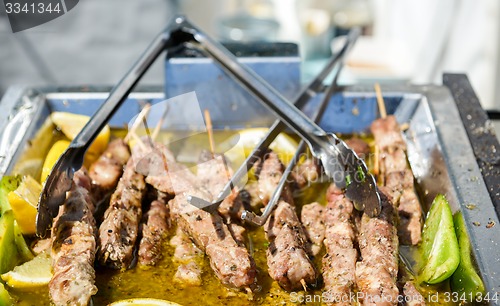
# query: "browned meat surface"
398,178
306,173
107,170
229,260
238,232
412,296
314,226
339,262
154,230
214,173
41,245
161,170
189,258
119,230
269,172
359,146
393,161
251,192
378,242
387,133
74,246
287,259
410,218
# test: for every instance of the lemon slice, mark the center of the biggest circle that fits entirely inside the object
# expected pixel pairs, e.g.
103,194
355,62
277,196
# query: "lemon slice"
284,145
24,201
31,167
71,124
54,153
34,273
144,302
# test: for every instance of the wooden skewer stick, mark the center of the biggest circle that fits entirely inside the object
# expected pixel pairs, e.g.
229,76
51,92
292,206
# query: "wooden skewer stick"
380,101
210,131
376,161
304,285
144,112
157,129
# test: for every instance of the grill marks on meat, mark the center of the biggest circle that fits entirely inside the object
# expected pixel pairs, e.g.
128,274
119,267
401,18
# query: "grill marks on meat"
314,226
189,258
73,246
339,262
378,243
214,173
108,168
119,230
269,172
398,177
287,258
231,262
154,230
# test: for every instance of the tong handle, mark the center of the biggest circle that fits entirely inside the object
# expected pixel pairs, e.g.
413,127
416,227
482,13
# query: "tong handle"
118,94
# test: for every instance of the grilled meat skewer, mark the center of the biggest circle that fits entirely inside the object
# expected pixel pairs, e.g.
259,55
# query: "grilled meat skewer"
107,170
119,230
214,174
339,262
231,262
378,242
398,177
314,226
154,230
74,246
287,258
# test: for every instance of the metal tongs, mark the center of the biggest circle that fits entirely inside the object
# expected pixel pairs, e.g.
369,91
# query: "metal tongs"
314,88
339,162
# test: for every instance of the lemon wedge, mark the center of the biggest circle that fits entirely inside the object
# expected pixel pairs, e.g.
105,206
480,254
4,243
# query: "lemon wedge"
284,145
50,160
24,201
144,302
71,124
34,273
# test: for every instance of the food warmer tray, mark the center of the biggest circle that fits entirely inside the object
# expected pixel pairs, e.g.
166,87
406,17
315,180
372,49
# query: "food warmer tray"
439,150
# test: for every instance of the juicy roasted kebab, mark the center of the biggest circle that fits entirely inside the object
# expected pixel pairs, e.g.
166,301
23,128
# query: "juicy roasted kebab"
339,262
120,228
287,258
154,229
377,272
398,177
74,246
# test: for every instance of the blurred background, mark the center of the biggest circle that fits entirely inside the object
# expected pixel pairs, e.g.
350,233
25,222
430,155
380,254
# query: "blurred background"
403,41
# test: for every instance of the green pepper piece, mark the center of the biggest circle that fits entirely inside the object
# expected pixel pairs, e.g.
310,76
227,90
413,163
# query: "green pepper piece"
8,249
5,298
7,184
439,243
465,279
22,246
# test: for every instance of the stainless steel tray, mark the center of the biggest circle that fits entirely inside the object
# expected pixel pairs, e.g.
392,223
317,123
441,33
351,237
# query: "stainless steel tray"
439,151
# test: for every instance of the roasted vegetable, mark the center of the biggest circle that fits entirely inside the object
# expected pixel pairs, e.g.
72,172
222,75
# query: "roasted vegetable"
13,247
440,251
9,256
5,298
465,280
